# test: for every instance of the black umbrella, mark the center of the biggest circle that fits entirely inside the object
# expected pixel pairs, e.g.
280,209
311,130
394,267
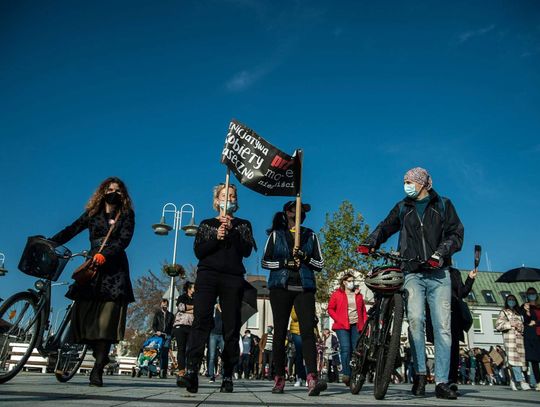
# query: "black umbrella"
249,302
520,274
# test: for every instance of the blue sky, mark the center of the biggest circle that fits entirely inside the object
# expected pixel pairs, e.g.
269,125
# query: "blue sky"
145,90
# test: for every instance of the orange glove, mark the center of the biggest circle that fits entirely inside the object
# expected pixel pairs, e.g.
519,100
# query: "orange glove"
99,259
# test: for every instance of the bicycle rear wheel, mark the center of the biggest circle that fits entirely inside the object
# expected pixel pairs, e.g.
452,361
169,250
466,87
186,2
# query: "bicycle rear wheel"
20,328
388,351
359,359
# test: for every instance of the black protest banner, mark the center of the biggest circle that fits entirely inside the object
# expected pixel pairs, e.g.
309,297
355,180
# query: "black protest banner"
257,164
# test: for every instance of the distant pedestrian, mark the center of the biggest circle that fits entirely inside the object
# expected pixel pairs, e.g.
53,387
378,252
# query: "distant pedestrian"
182,324
215,344
162,325
100,309
531,319
348,310
510,323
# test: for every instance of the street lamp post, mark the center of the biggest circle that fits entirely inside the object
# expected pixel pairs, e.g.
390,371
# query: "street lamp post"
163,229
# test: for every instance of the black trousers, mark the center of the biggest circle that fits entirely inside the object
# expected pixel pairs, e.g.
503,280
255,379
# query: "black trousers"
209,286
282,302
182,334
456,332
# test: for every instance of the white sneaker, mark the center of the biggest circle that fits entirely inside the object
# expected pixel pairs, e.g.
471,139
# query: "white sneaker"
513,385
537,386
525,386
298,383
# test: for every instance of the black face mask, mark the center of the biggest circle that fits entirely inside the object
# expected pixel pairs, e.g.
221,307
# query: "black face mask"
113,198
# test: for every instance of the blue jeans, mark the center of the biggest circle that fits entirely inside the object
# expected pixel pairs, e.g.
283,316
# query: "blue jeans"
435,287
299,357
518,374
347,341
215,342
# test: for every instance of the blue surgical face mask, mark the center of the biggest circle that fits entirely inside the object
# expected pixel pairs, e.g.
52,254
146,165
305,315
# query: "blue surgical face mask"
231,206
532,297
410,190
511,303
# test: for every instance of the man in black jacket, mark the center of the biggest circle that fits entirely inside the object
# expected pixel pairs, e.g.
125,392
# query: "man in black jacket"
162,325
430,231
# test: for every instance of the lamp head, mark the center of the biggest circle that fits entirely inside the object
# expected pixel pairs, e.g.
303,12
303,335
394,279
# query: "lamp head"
161,228
191,228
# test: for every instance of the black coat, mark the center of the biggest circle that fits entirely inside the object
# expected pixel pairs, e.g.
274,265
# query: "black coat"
113,282
530,337
459,291
436,232
163,322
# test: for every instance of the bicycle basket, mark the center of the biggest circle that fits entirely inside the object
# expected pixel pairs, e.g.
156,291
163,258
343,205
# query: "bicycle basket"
43,258
384,279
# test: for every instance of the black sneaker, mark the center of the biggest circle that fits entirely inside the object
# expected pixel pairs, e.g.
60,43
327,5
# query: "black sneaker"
443,391
190,380
226,385
212,379
419,385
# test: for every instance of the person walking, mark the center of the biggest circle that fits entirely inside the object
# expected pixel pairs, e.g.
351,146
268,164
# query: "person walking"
265,353
247,346
296,338
162,325
292,282
99,312
183,321
215,342
531,322
221,245
510,323
348,310
430,230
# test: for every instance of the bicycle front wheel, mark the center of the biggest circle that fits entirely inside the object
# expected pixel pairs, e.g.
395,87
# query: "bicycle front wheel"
388,351
70,358
20,327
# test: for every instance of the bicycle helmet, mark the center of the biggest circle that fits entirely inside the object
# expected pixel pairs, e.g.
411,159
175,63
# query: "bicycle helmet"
385,279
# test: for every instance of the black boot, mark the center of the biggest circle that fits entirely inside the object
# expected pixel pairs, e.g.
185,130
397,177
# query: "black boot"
419,385
227,385
96,376
100,353
189,380
443,391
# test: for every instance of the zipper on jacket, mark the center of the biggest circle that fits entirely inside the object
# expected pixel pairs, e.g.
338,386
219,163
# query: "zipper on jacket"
422,232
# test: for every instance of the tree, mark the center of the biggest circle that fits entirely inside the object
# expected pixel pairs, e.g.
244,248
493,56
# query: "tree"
340,235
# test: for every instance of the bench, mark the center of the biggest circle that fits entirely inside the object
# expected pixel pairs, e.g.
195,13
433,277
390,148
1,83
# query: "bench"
35,362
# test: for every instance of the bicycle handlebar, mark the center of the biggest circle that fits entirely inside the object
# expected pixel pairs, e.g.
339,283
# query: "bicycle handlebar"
392,256
84,254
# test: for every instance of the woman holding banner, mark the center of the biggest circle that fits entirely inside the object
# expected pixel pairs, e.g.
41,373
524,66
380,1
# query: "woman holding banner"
220,245
292,282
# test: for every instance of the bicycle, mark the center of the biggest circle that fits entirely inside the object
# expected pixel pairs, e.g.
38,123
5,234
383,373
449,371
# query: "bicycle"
378,344
24,317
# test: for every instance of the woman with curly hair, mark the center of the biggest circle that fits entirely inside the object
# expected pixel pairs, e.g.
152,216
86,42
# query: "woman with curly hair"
99,312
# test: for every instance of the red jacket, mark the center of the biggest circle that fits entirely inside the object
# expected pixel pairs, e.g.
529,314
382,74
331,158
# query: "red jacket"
338,309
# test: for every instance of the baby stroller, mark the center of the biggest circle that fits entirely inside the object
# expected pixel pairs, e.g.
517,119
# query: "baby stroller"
148,357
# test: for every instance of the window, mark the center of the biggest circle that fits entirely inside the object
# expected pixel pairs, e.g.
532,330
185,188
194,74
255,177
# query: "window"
477,323
489,297
471,297
494,321
253,321
523,296
505,294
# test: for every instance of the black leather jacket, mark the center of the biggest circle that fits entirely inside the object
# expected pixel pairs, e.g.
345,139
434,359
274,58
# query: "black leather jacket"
421,238
163,322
